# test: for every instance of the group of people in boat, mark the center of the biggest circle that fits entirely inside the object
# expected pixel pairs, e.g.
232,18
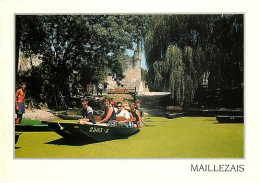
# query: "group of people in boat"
114,115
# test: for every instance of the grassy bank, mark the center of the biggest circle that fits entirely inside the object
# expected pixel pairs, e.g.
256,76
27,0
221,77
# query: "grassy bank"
187,137
30,122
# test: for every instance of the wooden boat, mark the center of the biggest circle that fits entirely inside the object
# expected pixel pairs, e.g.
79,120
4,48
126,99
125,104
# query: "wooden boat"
230,119
31,128
74,131
17,135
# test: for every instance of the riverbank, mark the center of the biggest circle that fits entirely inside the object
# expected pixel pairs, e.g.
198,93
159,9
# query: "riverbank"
38,114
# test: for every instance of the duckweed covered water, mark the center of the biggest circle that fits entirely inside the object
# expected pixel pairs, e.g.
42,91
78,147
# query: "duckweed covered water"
187,137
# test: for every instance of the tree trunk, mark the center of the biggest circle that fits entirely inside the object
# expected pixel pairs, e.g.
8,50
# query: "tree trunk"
17,41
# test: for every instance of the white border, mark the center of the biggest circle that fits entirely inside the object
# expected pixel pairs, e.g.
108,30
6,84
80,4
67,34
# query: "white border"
135,170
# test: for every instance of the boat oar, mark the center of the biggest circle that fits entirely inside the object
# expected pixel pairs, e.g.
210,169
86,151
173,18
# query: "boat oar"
143,122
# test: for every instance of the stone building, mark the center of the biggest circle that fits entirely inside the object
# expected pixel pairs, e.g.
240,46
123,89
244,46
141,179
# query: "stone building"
132,73
131,67
25,63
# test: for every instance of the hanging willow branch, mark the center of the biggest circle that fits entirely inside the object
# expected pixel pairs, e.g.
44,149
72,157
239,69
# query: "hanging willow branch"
196,50
175,67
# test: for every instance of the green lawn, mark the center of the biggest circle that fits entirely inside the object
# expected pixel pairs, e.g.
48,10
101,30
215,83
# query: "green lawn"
187,137
30,122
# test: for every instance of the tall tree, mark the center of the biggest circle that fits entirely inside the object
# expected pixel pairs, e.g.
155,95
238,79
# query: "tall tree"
89,44
211,46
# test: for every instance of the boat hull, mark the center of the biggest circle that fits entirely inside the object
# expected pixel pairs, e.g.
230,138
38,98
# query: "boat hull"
83,132
230,119
17,135
31,128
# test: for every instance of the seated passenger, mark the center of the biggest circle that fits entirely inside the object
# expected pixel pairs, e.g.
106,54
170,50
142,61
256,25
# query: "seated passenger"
112,103
123,113
109,114
87,113
132,119
137,106
135,113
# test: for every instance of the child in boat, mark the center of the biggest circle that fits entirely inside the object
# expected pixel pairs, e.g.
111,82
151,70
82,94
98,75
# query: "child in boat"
109,113
121,112
87,113
135,113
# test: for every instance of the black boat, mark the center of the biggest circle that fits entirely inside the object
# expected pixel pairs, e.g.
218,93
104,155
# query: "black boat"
17,135
230,119
82,132
31,128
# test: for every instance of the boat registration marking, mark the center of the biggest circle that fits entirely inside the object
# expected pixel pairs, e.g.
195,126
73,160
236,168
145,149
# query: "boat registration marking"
98,130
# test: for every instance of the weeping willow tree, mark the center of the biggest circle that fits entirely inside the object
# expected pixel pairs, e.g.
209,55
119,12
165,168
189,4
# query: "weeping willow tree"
210,49
191,75
175,70
158,71
178,73
167,41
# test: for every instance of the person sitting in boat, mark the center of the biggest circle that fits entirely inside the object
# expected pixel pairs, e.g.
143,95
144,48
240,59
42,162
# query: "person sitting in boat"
87,113
136,114
121,112
137,106
109,113
112,103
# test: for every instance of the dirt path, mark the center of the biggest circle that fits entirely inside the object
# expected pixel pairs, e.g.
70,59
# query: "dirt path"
37,114
151,103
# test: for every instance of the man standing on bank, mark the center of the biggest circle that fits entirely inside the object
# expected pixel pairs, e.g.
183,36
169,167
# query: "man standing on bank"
19,103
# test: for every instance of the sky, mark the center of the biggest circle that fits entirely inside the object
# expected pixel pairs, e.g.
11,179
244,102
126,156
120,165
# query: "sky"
143,61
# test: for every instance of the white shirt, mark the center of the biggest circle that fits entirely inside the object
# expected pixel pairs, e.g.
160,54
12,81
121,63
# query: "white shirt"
124,113
115,108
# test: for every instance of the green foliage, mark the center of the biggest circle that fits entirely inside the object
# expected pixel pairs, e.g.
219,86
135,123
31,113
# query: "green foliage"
144,75
91,45
211,47
175,70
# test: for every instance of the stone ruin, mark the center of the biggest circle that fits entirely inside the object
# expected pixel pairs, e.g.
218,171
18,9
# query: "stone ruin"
131,67
132,73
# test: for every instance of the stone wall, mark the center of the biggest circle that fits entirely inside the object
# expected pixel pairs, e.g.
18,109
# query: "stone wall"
25,63
132,72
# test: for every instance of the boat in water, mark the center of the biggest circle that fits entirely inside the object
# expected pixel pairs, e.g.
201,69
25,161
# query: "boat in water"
95,132
31,128
27,125
230,119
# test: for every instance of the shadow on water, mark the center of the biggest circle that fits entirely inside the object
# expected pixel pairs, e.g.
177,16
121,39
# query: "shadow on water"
217,123
17,147
150,125
67,142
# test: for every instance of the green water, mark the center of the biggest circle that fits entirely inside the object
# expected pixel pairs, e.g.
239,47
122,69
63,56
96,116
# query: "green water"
187,137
